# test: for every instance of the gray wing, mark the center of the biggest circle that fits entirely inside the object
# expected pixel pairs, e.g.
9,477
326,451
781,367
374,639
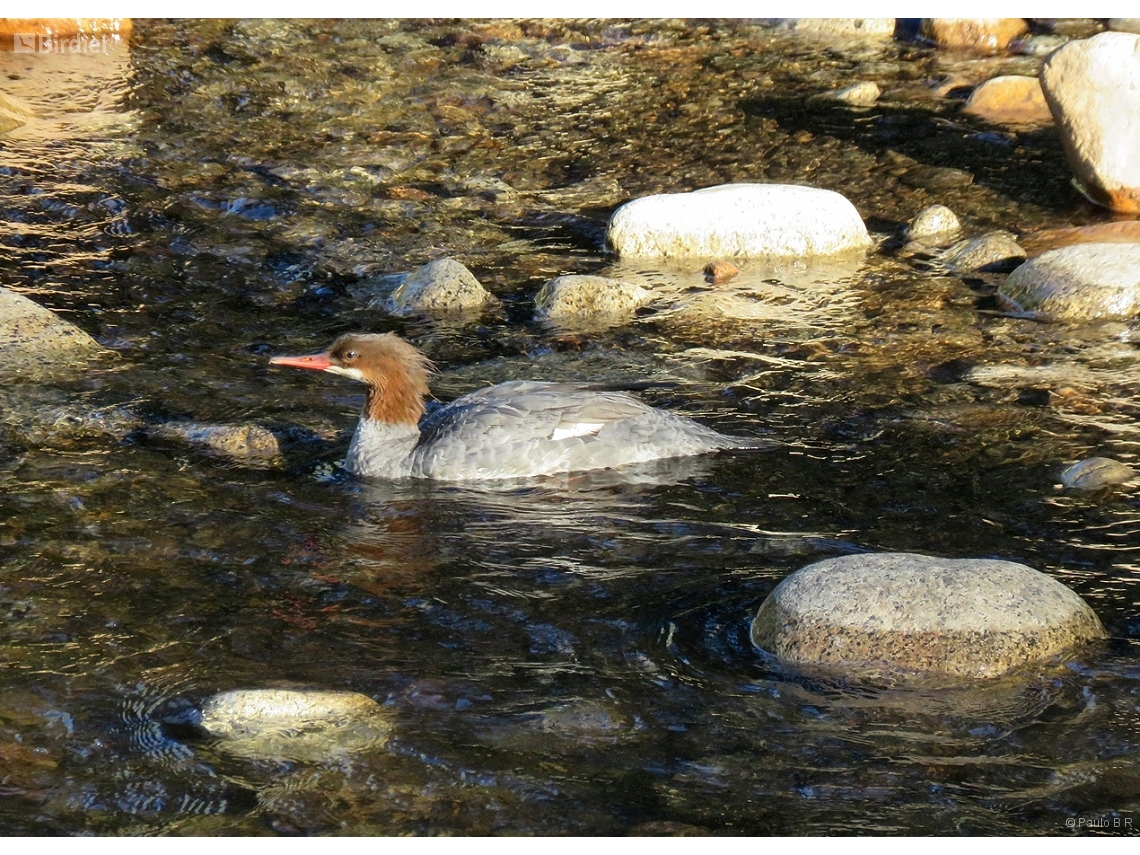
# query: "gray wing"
522,428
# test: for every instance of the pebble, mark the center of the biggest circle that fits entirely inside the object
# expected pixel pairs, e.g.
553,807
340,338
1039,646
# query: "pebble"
290,724
933,221
1087,281
991,252
738,220
982,35
862,94
1010,100
901,614
36,344
588,298
720,271
1095,473
443,286
1091,85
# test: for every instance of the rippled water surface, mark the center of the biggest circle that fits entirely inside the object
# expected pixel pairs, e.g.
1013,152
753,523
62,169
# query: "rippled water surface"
568,657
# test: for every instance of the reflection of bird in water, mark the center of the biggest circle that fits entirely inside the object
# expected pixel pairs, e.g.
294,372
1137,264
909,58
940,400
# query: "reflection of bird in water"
519,429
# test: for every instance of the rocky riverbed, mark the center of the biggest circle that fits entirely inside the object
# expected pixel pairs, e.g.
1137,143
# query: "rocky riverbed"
914,291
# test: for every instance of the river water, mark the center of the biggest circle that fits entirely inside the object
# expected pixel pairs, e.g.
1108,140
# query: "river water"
567,657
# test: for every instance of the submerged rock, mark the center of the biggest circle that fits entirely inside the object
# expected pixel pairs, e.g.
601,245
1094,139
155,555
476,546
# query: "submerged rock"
241,442
290,724
744,220
1010,100
862,94
35,343
1082,282
1095,473
933,221
984,35
589,298
903,614
1091,88
443,286
989,253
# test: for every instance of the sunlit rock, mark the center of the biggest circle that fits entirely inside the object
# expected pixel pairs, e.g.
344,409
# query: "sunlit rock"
933,221
577,299
35,343
903,614
1124,25
1010,100
869,29
862,94
732,220
720,271
1124,231
983,35
64,28
991,252
300,725
241,442
1091,88
443,286
1096,473
1082,282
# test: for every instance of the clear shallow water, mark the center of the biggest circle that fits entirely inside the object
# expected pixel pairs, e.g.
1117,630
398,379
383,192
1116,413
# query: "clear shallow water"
567,657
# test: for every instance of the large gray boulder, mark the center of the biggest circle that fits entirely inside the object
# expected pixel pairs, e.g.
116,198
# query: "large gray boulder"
37,344
731,220
1091,86
903,614
1087,281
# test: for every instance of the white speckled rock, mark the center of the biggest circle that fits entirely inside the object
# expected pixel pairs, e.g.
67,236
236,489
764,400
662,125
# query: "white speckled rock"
1081,282
576,298
241,442
738,220
35,343
933,221
869,29
1093,88
443,286
901,614
290,724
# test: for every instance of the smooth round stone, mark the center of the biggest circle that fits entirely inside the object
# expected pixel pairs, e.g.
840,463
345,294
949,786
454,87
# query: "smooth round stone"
585,298
1096,473
862,94
35,343
903,614
730,220
984,35
1010,100
869,29
291,724
1091,86
933,221
1087,281
443,286
988,253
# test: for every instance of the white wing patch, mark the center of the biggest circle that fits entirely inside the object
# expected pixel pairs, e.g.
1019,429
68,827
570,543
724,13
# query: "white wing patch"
579,429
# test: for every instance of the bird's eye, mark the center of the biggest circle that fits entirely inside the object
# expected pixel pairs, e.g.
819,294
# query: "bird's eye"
349,356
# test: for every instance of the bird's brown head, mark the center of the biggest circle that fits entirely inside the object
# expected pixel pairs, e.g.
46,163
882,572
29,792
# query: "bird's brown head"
395,372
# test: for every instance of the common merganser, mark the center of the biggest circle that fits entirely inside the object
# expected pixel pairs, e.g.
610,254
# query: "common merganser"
519,429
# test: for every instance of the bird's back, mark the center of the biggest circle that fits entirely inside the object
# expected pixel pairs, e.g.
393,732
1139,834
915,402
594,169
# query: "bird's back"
526,428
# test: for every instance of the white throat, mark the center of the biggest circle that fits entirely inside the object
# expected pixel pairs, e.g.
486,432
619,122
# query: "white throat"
380,449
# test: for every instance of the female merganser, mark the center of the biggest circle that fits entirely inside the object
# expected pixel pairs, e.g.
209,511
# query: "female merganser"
519,429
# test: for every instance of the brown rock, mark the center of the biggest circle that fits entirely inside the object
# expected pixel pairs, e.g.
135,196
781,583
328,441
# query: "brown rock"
64,28
720,271
1125,231
1010,100
984,35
